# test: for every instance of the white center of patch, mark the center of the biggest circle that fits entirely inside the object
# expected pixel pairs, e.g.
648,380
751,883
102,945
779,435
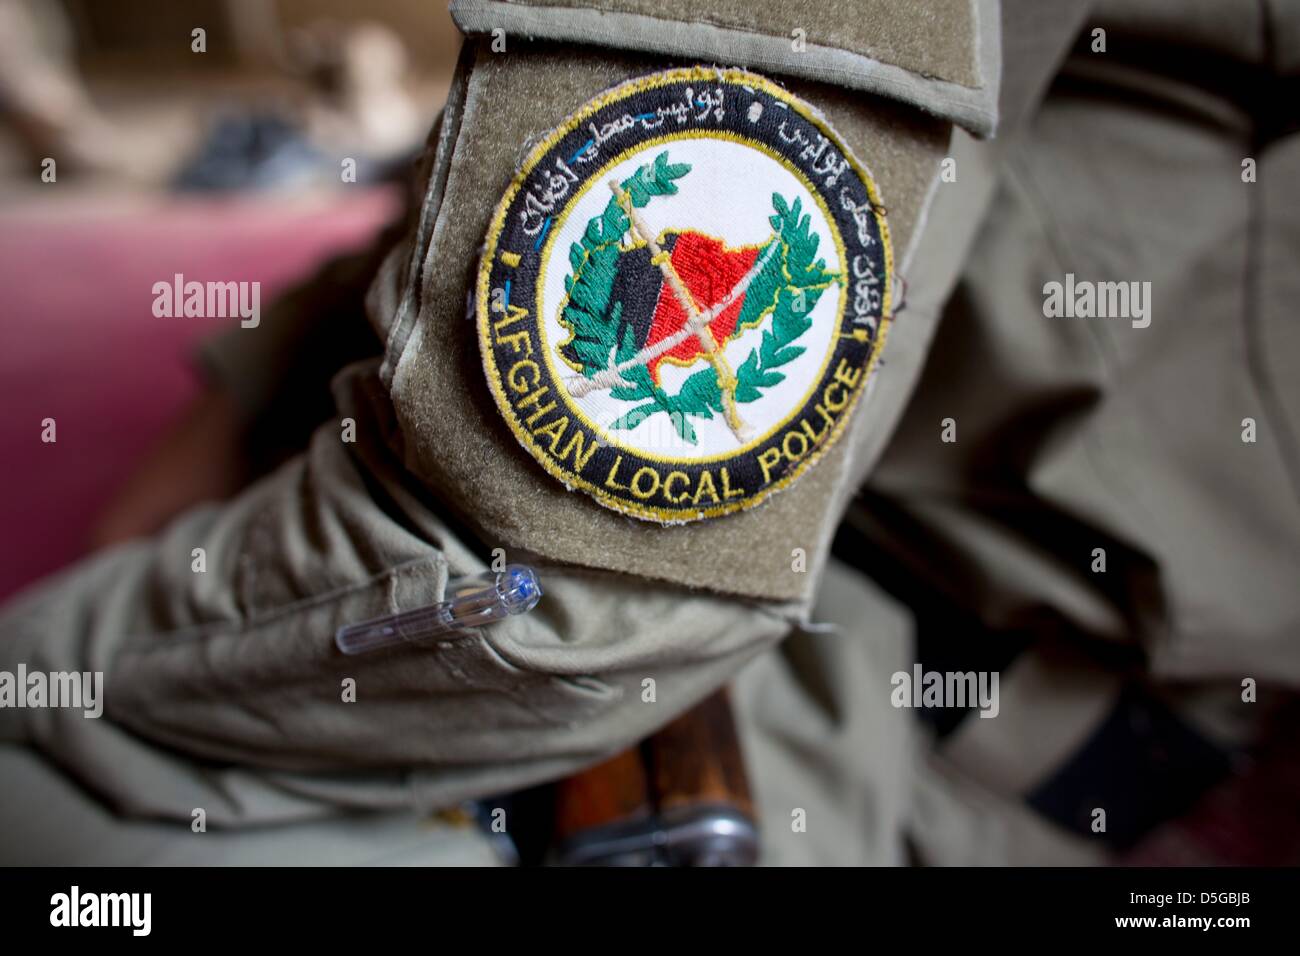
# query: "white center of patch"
728,195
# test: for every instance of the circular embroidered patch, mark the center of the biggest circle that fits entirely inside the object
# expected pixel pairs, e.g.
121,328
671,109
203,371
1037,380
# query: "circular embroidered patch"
683,293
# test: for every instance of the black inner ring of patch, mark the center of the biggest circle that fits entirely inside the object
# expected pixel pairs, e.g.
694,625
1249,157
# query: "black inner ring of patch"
782,130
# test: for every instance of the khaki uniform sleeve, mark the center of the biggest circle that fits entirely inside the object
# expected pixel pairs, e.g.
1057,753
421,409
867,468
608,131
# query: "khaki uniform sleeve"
457,441
222,688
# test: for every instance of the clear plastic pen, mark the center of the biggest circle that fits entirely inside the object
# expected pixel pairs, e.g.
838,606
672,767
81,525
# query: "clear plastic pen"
470,602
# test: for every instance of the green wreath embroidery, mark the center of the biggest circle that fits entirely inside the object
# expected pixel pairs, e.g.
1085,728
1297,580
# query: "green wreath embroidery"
787,288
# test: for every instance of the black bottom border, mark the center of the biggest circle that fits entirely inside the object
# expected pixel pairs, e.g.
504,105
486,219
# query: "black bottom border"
446,905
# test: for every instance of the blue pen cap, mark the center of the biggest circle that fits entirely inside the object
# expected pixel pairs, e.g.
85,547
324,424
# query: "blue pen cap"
518,588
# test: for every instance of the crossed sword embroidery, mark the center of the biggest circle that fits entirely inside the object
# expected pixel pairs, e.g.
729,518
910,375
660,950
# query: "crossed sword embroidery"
698,324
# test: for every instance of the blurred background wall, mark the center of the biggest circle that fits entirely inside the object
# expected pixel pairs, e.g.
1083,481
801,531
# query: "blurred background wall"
128,155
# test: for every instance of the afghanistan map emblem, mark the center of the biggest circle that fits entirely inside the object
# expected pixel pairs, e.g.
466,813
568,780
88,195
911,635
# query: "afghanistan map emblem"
683,293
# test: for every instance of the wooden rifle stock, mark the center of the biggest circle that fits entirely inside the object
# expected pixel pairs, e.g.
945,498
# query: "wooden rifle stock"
680,798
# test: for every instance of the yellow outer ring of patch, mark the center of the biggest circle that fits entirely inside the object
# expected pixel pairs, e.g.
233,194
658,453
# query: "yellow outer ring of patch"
817,380
623,90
